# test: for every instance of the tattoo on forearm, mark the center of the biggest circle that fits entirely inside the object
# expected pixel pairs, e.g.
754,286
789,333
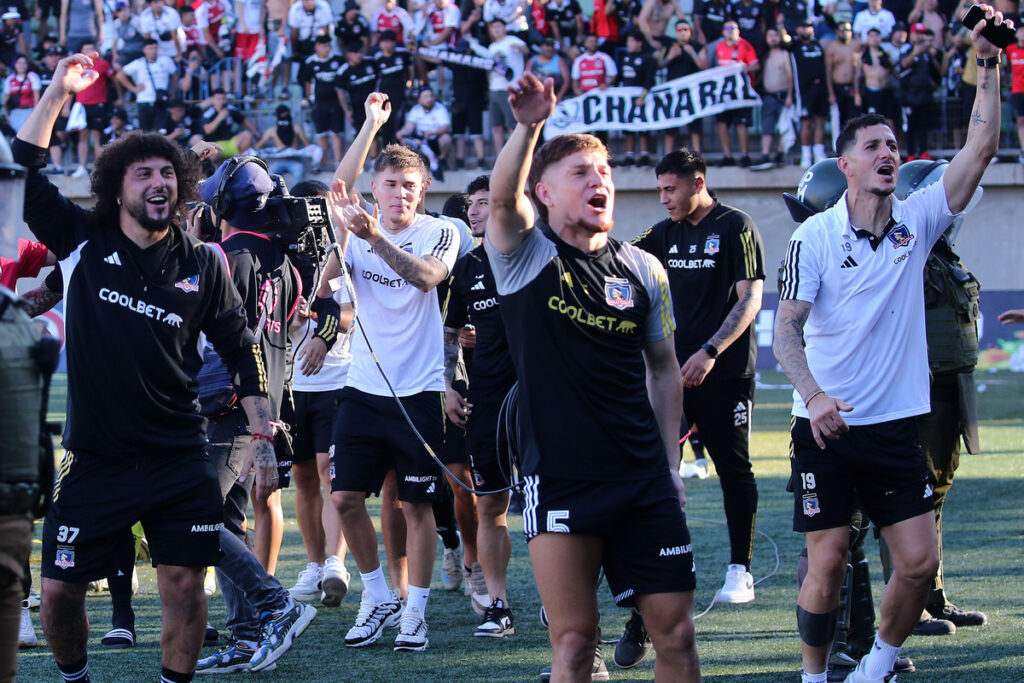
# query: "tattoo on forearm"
451,356
419,272
789,349
40,300
976,118
739,318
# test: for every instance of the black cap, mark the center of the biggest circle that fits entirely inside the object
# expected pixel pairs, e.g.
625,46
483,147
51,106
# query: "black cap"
388,34
283,110
323,38
149,41
120,113
899,26
351,5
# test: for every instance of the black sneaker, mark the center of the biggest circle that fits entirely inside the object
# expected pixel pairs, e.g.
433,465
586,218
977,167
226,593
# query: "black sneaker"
934,627
727,161
629,159
958,617
763,164
779,159
498,621
745,161
599,672
211,637
645,160
634,645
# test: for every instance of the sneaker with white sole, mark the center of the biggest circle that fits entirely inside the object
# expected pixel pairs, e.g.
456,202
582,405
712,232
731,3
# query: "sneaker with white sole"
209,582
739,586
336,579
372,619
26,632
412,633
80,172
280,629
698,469
451,569
235,657
498,621
33,600
478,595
858,675
308,587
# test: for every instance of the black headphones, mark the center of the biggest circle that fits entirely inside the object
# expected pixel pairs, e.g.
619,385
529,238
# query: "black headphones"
223,203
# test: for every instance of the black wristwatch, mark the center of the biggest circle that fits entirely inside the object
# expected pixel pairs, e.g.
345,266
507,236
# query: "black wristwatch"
988,62
710,350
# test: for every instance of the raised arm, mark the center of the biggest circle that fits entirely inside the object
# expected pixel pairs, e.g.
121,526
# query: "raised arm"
511,216
378,110
964,173
72,75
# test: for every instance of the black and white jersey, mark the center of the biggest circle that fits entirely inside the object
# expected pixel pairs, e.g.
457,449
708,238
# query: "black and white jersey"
358,81
133,319
810,62
393,72
750,19
704,262
637,69
473,298
577,324
712,14
270,287
351,33
324,75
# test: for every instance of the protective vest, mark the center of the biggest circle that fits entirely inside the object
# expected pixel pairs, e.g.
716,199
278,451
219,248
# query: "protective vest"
951,299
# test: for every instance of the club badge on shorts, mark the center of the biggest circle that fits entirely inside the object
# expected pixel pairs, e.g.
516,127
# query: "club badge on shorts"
811,507
618,293
65,557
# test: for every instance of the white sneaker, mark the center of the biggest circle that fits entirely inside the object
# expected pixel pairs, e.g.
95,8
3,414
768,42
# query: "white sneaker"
80,172
698,469
336,579
819,153
307,587
26,634
451,569
412,633
805,158
98,586
33,601
478,595
372,619
858,675
739,586
210,582
135,580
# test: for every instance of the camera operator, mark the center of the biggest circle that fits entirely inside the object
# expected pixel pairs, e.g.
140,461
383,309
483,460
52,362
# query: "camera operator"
139,292
270,289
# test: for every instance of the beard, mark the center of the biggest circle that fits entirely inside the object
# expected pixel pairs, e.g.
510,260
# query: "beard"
149,223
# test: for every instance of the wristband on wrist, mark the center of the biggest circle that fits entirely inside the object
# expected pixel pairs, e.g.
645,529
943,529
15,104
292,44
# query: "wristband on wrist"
988,62
258,435
807,401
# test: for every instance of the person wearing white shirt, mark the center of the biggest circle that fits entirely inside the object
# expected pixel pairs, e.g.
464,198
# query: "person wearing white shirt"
429,121
150,78
162,23
512,12
875,16
850,334
507,50
308,19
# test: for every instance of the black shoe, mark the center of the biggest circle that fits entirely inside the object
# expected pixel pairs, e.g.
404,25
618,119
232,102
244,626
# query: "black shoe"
119,639
645,160
779,159
934,627
211,637
629,159
727,161
498,621
763,164
952,613
904,665
745,161
634,645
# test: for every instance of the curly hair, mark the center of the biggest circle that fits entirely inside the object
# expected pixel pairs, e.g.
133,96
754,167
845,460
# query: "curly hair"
114,159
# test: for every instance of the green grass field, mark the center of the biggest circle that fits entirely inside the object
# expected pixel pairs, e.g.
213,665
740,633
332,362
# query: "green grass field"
756,642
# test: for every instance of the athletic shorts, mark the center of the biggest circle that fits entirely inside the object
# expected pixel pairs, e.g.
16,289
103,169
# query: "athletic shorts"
97,117
882,464
245,45
48,8
646,543
314,422
743,116
482,431
771,108
98,498
1017,104
882,102
722,411
813,100
371,436
501,110
454,449
328,118
467,117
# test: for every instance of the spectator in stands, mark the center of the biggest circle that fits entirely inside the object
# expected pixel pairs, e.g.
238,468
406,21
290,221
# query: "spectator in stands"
352,27
428,130
792,13
247,36
1015,57
550,64
472,22
468,87
685,56
129,39
356,79
606,24
59,137
750,16
285,133
512,13
161,23
898,39
182,125
876,94
653,21
213,17
150,78
192,37
42,48
592,69
709,19
509,51
193,78
809,58
440,28
390,17
927,12
12,36
565,17
394,68
118,127
308,19
636,70
319,79
94,99
78,22
228,127
777,84
841,57
919,76
21,92
732,49
875,16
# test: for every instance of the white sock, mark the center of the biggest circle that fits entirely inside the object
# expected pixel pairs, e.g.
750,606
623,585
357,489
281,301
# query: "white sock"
416,603
819,149
813,678
377,584
881,659
805,149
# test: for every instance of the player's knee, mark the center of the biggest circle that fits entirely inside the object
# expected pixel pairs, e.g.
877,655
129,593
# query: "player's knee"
348,503
61,597
306,478
679,637
574,649
921,568
826,572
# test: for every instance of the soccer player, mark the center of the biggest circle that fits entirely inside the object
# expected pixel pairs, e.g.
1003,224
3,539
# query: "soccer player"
715,262
858,267
139,291
589,325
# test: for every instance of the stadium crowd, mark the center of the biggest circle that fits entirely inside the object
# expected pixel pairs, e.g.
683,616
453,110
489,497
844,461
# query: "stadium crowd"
269,76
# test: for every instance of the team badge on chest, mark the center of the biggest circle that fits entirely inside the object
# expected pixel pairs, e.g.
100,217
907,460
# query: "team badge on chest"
900,236
711,245
189,284
618,293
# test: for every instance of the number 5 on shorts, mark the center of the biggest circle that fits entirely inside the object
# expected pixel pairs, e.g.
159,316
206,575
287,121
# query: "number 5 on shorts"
554,525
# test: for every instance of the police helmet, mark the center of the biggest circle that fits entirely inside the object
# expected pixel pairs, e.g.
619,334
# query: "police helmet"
820,188
917,175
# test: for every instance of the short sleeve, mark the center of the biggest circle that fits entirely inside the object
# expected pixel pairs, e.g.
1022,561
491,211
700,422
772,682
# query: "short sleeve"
31,257
932,206
443,244
800,276
514,271
660,321
747,252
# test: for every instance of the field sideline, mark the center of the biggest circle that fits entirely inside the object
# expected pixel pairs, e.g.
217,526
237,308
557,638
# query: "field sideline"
750,643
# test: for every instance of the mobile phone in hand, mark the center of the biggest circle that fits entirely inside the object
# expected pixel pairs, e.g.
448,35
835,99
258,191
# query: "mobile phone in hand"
1000,35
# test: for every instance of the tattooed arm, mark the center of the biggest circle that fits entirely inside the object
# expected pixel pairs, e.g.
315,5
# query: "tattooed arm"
455,404
789,351
260,453
40,300
424,273
740,316
965,171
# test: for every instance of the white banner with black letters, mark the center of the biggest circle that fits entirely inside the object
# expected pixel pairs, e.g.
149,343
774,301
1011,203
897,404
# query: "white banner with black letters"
669,105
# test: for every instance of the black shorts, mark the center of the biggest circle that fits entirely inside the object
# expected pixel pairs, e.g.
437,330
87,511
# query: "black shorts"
371,436
1017,104
97,117
48,8
883,102
467,117
881,464
87,533
313,422
454,449
813,100
646,543
482,435
358,116
743,116
328,118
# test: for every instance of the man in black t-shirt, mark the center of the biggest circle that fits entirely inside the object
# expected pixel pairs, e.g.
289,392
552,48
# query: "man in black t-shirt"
810,78
358,78
715,263
319,78
683,57
589,326
637,69
394,71
352,27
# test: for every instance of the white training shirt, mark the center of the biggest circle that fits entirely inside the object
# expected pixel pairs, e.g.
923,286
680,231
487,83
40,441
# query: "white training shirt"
505,51
423,120
403,323
162,69
168,21
309,25
334,372
865,334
